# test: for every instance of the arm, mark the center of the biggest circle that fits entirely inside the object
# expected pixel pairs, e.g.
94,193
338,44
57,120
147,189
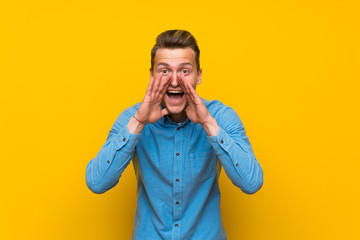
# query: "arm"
104,171
229,141
235,153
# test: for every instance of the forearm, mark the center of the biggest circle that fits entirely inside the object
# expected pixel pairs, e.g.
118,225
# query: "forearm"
211,127
135,126
103,171
238,161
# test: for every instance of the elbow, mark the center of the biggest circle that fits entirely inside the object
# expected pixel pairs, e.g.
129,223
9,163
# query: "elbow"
98,188
95,188
256,186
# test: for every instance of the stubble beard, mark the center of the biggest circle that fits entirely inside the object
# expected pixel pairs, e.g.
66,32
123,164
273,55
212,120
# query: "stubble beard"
170,110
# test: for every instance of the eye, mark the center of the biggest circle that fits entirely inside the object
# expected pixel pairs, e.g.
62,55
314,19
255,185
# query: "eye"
164,71
185,71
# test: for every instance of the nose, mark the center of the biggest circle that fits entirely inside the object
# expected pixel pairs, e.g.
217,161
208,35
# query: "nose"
174,82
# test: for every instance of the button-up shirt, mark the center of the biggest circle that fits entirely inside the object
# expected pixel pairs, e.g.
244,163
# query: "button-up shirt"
177,167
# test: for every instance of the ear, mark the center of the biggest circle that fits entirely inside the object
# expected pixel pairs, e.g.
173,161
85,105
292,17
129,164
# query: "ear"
199,76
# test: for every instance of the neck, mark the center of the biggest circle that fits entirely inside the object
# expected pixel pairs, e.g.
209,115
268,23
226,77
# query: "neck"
177,117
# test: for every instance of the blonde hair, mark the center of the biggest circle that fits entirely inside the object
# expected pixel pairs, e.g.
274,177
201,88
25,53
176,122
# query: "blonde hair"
176,39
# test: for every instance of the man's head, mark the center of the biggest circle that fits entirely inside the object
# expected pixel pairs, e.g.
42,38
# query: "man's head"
176,55
172,39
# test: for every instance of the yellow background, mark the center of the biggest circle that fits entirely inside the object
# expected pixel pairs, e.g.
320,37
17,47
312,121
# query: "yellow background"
289,68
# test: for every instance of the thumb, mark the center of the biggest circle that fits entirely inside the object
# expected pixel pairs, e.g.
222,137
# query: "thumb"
164,112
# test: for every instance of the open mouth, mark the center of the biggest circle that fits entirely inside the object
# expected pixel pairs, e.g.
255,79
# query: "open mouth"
175,96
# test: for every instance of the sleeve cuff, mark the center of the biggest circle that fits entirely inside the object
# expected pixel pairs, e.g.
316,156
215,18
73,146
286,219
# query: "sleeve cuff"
124,137
221,142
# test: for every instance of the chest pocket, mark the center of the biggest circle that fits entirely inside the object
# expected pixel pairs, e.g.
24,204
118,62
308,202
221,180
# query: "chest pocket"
203,165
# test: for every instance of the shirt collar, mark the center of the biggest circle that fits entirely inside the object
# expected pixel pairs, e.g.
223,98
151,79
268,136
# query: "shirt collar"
166,121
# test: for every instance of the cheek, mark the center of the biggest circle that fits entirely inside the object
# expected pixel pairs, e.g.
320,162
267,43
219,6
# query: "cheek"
192,80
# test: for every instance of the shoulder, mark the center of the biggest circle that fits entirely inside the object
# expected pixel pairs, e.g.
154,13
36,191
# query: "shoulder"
223,114
125,116
216,107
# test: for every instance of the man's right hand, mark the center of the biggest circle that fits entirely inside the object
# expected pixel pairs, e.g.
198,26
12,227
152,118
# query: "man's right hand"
149,110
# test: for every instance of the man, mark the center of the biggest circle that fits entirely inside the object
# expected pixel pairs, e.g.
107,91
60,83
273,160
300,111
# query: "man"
178,143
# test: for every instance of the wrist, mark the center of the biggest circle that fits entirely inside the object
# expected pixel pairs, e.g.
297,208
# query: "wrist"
139,120
135,125
211,127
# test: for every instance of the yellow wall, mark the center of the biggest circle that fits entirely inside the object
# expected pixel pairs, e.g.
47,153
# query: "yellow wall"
289,68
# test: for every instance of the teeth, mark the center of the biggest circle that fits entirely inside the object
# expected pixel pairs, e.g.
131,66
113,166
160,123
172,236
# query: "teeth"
175,91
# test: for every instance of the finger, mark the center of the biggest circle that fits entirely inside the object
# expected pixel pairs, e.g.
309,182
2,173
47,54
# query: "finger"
183,84
165,86
157,82
164,82
186,92
150,86
191,90
164,112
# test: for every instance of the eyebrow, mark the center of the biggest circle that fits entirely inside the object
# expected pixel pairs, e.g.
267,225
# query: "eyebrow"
167,65
184,64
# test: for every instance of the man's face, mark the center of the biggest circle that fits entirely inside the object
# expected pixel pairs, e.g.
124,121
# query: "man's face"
176,62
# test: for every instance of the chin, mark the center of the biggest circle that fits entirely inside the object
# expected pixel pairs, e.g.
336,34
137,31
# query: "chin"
174,109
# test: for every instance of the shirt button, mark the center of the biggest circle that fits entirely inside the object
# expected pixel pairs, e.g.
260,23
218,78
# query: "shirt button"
177,202
177,179
108,161
176,225
177,154
123,139
222,141
237,164
178,128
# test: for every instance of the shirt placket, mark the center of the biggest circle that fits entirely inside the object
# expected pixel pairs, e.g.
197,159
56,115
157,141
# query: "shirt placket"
177,182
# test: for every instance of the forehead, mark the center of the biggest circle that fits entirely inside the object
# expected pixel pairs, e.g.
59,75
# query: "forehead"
174,56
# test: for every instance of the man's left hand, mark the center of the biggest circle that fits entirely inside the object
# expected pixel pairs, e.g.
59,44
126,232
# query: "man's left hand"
196,110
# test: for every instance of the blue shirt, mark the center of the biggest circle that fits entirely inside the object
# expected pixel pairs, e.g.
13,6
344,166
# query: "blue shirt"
177,167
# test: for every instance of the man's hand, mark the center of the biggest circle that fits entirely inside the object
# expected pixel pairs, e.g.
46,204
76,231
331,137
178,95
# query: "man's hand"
149,110
196,110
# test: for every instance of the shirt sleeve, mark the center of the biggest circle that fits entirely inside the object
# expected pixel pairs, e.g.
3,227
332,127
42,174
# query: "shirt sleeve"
235,153
104,171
